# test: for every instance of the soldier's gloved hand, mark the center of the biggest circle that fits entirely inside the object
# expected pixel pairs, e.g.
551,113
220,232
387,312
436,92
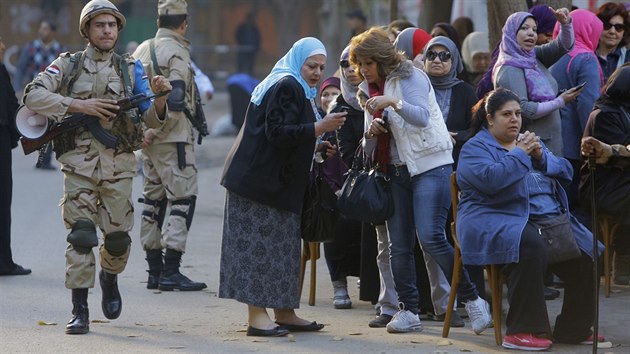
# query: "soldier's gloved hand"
104,109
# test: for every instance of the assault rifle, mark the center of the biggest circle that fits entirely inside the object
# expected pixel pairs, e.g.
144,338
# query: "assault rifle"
77,120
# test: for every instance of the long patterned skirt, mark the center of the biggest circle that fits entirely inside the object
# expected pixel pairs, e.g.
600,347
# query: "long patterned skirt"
260,254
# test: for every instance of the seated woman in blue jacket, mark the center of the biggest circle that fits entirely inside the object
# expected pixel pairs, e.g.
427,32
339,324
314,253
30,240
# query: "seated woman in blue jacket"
507,180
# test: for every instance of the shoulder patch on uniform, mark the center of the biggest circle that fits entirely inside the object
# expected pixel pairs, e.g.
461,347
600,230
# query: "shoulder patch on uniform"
52,69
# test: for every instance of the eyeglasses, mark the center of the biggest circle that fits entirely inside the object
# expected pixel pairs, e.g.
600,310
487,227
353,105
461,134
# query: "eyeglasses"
344,64
619,27
444,56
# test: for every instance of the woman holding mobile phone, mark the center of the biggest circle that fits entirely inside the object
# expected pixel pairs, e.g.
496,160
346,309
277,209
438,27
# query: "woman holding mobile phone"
578,71
522,68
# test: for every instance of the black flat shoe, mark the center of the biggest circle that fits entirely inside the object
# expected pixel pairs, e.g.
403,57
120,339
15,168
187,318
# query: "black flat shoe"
16,270
279,331
311,327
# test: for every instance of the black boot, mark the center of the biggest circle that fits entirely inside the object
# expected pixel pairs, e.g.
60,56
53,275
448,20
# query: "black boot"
171,278
154,259
111,301
80,321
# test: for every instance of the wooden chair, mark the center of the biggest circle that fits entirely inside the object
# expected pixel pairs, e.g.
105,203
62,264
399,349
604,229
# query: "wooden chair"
495,279
608,227
310,251
495,276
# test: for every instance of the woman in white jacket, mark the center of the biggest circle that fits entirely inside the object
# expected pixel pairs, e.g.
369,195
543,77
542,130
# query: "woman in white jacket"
414,149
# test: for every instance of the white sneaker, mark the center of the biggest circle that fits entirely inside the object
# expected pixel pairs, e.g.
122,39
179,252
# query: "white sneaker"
479,313
404,321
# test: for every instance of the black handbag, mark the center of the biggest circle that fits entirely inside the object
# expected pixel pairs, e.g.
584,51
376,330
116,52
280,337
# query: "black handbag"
559,238
319,211
366,195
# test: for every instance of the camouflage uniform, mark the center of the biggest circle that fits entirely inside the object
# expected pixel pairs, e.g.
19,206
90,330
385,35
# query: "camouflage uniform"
97,183
98,179
170,182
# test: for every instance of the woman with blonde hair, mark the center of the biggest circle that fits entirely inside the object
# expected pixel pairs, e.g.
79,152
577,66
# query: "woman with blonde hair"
410,143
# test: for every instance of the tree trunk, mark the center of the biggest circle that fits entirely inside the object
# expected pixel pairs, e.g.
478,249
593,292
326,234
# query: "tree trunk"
434,11
498,12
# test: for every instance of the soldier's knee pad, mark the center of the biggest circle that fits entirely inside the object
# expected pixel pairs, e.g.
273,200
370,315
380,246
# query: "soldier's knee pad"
117,242
190,202
83,236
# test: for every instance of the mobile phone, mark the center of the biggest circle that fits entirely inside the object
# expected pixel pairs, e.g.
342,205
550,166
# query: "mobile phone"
385,119
580,86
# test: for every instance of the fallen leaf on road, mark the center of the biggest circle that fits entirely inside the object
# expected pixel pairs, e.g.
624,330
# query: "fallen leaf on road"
230,339
133,336
260,341
337,338
100,321
242,330
179,331
416,341
157,292
139,324
605,345
465,350
443,342
43,323
176,347
355,334
291,338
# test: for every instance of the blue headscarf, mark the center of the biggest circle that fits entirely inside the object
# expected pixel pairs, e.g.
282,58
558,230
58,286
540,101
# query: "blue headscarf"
291,65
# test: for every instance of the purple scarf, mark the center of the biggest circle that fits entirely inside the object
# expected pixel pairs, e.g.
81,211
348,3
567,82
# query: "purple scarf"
538,87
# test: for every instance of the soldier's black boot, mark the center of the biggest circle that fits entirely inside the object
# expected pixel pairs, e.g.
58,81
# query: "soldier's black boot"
80,321
111,301
154,259
172,279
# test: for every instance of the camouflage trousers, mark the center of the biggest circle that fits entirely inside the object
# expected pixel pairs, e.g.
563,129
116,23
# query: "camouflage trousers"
107,203
165,180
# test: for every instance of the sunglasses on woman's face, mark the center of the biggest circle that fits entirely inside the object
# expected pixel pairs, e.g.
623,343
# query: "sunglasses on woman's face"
619,27
344,64
444,56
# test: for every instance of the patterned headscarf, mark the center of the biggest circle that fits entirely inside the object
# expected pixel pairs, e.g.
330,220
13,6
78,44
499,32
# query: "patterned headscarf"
449,80
291,65
512,54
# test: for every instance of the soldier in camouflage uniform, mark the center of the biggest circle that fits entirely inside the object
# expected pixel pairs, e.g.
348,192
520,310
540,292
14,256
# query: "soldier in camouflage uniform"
169,160
98,179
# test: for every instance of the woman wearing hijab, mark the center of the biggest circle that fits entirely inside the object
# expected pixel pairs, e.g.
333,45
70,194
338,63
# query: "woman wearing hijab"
579,66
610,124
412,42
266,175
476,56
522,68
442,63
545,20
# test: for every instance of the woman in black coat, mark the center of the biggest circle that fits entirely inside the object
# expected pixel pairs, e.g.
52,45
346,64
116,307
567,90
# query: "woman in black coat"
266,175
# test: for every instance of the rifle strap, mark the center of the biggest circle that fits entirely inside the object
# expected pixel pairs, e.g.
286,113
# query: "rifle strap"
76,63
156,65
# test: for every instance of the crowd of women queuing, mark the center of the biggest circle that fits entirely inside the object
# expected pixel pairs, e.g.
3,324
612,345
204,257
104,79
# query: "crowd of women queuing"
421,105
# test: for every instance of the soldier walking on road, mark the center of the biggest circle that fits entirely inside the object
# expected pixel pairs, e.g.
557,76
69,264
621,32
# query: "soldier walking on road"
98,179
169,161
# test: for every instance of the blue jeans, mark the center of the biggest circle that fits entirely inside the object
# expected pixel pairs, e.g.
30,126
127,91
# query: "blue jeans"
421,206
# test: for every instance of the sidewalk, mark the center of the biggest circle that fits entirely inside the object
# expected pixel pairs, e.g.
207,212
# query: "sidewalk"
196,322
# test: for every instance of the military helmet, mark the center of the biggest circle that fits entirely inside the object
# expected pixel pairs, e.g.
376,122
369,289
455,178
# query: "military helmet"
98,7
